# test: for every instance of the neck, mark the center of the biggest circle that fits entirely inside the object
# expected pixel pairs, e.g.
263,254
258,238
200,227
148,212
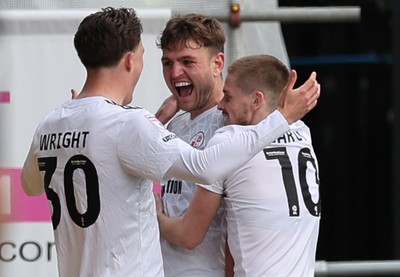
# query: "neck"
259,115
214,99
204,108
106,83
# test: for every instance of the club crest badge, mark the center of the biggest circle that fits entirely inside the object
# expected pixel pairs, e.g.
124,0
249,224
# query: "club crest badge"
197,140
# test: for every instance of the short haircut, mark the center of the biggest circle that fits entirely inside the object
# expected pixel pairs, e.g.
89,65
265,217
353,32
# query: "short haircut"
261,72
204,30
104,37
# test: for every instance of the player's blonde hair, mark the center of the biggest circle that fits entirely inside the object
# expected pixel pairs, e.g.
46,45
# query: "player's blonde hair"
261,72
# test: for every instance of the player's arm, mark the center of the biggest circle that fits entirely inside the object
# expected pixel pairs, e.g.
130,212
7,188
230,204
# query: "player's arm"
167,110
229,263
189,230
213,163
31,180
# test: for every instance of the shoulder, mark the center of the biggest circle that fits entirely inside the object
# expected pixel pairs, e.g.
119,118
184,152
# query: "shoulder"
213,114
179,118
122,107
132,117
301,127
227,132
230,130
142,117
299,124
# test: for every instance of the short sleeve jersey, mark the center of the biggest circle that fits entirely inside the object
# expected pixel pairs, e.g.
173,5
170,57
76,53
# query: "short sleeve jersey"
207,259
97,160
273,206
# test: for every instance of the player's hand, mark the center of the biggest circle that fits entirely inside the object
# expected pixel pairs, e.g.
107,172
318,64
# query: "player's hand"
74,93
159,204
296,103
167,110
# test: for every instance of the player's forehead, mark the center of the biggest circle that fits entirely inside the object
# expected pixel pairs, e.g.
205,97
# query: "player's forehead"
231,87
188,48
230,82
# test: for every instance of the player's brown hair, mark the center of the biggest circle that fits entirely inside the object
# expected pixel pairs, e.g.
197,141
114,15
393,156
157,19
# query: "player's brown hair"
204,30
104,37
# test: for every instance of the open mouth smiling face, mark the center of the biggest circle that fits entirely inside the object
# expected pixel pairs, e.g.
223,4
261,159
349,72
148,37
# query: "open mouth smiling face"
183,89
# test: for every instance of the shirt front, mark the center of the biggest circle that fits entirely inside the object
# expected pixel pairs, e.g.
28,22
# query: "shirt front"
208,258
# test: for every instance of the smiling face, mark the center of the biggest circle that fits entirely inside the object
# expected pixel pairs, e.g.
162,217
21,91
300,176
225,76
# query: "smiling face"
252,89
236,106
193,74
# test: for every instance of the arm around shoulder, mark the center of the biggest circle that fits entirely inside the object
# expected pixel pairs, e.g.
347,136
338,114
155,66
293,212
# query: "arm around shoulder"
213,163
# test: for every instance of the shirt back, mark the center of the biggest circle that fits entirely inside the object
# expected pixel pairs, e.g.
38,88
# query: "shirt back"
273,206
97,158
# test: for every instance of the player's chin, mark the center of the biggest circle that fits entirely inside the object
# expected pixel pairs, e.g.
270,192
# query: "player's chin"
186,106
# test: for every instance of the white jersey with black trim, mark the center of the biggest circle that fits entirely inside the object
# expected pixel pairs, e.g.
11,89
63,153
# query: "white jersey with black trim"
208,258
104,213
273,206
96,160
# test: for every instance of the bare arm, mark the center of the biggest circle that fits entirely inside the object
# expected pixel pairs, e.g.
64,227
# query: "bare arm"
189,230
229,263
167,110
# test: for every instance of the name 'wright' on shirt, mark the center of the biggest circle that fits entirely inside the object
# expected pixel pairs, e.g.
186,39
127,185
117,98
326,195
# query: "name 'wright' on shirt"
63,140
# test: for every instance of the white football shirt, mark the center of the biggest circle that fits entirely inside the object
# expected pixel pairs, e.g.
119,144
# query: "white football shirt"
95,160
273,206
208,258
103,211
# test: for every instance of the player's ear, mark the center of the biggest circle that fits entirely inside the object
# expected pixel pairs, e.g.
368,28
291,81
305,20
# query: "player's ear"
128,60
219,61
258,99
